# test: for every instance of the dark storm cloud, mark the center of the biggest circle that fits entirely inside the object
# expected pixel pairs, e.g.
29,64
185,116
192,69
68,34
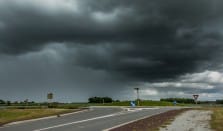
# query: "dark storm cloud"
142,40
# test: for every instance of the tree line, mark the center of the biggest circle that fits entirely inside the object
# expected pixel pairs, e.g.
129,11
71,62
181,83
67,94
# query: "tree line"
101,100
219,101
25,102
178,100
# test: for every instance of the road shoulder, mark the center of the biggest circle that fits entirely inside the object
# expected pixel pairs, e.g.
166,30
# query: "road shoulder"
149,123
193,120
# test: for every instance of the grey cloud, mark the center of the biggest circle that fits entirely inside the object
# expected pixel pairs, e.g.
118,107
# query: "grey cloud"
136,41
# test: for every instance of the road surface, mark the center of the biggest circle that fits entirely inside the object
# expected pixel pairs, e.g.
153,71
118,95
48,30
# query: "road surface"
95,119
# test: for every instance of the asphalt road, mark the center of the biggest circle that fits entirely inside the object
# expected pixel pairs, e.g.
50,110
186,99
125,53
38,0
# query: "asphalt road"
95,119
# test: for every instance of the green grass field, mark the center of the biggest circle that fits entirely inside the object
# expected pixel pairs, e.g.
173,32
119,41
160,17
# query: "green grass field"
10,115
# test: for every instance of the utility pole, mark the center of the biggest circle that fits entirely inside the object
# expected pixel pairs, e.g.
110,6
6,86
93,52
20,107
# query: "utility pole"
137,91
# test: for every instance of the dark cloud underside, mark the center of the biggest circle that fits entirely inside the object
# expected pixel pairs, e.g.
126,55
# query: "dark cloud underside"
139,40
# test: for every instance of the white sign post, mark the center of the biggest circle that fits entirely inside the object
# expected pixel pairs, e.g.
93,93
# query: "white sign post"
195,98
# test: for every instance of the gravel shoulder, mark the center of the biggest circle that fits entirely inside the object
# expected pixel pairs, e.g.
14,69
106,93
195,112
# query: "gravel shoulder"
192,120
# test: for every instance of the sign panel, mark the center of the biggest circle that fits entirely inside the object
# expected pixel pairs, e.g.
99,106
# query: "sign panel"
50,96
195,97
174,102
132,104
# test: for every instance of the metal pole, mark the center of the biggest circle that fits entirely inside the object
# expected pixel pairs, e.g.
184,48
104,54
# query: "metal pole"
137,91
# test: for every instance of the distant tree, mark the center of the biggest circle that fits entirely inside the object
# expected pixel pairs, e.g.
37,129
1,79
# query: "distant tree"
8,103
2,101
106,99
219,101
100,100
178,100
96,100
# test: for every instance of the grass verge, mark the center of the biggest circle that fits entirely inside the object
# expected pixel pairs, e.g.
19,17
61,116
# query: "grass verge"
217,118
142,103
12,115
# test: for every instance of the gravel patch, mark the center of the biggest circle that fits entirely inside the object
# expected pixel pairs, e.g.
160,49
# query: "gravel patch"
192,120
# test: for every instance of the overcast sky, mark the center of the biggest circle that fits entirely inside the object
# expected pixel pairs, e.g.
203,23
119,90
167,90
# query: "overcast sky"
77,49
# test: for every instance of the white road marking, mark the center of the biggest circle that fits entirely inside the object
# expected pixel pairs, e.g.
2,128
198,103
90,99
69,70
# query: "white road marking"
66,114
108,129
100,117
76,122
139,109
43,118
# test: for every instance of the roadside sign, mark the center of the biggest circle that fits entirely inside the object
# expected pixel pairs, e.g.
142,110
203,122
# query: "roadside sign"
195,98
132,103
50,96
174,103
